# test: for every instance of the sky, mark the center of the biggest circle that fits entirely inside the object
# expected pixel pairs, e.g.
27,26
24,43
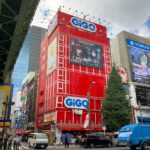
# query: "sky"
117,15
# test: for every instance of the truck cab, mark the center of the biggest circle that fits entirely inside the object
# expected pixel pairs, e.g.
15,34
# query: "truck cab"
135,135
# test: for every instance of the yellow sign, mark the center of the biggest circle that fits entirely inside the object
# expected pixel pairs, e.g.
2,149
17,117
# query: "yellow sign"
6,124
5,104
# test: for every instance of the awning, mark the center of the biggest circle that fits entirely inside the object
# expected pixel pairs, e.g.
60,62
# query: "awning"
64,127
27,131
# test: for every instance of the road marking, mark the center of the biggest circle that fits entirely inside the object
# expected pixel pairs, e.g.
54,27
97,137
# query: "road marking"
25,147
14,149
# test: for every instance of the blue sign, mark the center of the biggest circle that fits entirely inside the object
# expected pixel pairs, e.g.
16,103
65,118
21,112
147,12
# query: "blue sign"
138,45
83,24
76,102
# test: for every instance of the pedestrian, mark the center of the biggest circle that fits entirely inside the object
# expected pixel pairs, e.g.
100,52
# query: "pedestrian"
5,139
66,140
14,139
10,142
18,140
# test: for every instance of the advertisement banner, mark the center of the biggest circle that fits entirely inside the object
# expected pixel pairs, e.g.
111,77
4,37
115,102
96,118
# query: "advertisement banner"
51,60
5,103
84,53
139,55
123,74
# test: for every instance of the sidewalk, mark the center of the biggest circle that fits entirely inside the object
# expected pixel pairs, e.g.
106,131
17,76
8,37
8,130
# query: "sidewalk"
62,146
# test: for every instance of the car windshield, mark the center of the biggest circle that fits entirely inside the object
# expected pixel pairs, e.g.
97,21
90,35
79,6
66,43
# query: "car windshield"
41,136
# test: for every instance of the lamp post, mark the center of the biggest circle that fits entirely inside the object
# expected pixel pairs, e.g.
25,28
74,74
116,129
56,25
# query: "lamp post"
88,109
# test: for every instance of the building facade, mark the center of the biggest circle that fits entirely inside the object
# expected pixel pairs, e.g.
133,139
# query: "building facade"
132,53
28,102
28,59
74,63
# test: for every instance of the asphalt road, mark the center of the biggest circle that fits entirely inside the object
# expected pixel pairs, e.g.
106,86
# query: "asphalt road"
24,146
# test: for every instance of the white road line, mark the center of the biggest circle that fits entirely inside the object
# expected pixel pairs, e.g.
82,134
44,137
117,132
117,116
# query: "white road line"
25,147
14,149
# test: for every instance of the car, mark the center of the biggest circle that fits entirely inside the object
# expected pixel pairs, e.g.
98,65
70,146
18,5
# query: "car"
92,141
38,140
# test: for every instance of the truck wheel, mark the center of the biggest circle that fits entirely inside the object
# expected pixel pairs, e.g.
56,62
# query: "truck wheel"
133,147
144,146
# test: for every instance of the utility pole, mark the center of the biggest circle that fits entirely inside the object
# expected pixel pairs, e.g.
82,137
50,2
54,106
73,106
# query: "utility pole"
88,109
5,114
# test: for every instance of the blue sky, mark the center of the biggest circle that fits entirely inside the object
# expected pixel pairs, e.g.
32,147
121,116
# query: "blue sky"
117,15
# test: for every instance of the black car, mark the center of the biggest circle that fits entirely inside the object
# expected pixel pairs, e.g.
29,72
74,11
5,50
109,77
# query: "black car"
95,140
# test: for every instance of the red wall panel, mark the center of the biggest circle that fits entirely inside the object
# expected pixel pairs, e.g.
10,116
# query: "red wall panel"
72,79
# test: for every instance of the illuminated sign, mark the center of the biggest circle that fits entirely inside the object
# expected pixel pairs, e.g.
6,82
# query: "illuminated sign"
83,24
85,53
76,102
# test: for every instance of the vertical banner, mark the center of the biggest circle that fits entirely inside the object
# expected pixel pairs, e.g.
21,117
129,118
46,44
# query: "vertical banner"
86,122
5,103
51,60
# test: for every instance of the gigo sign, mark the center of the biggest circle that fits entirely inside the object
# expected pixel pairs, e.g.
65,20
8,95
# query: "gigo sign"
83,24
76,102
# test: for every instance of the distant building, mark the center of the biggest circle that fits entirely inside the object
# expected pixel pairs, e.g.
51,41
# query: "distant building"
28,59
131,54
15,113
74,61
28,98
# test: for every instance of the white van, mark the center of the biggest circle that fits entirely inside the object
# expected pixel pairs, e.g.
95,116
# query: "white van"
38,140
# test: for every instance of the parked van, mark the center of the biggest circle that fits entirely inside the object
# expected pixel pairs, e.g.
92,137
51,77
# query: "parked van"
135,135
38,140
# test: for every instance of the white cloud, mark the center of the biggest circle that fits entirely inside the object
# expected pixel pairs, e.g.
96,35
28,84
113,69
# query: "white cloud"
123,14
144,31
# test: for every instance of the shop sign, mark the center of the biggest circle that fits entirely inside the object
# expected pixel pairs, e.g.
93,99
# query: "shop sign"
50,117
76,102
83,24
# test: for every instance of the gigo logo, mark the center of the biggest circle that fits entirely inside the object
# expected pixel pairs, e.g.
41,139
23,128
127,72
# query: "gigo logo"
83,24
76,102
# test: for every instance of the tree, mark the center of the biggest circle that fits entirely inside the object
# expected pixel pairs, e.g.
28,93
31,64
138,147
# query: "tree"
116,109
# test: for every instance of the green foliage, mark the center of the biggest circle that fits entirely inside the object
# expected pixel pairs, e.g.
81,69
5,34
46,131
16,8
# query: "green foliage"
116,109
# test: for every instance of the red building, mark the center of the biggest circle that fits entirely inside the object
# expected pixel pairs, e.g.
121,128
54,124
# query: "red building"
74,53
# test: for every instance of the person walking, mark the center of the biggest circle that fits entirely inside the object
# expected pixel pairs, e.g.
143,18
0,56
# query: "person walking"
18,140
14,139
5,140
10,142
66,140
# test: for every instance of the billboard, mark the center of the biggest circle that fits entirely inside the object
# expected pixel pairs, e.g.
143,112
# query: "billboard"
51,60
5,103
84,53
139,54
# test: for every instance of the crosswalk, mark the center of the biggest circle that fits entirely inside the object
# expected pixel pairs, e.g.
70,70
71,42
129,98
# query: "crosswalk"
21,147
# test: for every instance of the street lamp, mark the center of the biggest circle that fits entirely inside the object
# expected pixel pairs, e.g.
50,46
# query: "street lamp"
88,109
